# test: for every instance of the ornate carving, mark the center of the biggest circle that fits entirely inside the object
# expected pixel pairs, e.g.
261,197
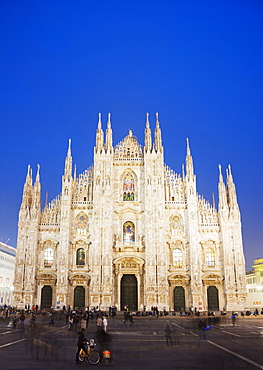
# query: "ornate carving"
212,280
129,263
128,150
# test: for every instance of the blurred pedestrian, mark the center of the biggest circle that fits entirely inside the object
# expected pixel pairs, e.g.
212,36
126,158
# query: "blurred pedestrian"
168,335
83,323
22,320
104,323
202,328
70,322
99,324
233,318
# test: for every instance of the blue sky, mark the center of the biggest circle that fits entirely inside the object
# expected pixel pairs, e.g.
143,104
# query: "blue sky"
197,63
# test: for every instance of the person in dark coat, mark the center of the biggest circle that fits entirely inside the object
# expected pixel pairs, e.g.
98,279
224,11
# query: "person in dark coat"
81,344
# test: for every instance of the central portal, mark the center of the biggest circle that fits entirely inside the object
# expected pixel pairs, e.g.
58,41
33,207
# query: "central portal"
129,292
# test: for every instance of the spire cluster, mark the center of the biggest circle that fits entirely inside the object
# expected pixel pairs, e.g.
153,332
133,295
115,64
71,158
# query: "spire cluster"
227,193
149,147
100,145
157,146
31,198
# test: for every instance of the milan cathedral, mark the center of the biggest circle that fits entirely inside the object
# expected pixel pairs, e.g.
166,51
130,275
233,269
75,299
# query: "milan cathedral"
129,231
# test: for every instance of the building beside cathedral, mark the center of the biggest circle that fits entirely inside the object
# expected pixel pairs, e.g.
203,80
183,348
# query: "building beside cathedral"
254,281
130,231
7,267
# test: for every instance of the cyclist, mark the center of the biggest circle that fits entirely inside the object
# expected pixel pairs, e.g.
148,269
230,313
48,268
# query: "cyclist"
81,344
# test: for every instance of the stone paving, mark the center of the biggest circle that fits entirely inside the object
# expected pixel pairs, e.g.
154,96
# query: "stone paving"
141,346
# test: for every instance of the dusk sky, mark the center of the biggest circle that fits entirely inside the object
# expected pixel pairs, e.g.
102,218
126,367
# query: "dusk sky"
198,63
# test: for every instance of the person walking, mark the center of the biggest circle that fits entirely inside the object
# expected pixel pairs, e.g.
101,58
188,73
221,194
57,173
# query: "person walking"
70,322
99,324
130,316
22,320
104,323
82,341
233,318
83,323
202,328
87,319
168,335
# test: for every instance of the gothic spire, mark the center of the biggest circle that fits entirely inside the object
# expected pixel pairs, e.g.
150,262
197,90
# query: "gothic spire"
99,136
75,172
27,191
183,174
147,135
36,202
68,162
189,161
108,135
38,174
231,190
221,191
157,136
46,202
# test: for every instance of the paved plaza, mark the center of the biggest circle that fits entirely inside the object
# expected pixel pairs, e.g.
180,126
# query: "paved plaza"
140,346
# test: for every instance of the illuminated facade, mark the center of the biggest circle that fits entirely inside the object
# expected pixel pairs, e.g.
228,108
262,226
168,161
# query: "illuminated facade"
7,267
254,280
130,231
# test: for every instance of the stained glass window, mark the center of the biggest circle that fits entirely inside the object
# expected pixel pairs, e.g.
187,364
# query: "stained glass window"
128,232
210,257
128,187
82,224
80,260
177,257
48,257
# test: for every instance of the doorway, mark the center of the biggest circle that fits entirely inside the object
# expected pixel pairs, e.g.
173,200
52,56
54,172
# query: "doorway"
179,299
129,292
79,297
212,299
46,297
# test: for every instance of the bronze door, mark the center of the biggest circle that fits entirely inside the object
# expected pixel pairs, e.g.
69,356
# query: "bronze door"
79,297
179,299
212,299
46,297
129,292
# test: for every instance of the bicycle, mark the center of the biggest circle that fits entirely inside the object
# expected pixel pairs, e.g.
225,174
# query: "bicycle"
92,355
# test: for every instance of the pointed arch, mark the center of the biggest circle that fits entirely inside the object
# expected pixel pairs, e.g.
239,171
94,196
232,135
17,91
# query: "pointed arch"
128,185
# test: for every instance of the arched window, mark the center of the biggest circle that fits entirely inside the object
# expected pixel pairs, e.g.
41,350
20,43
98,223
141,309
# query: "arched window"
128,187
48,257
128,231
176,225
82,224
80,257
177,257
210,257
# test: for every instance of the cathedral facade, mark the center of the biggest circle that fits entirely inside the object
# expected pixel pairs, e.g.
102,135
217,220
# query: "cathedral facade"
129,231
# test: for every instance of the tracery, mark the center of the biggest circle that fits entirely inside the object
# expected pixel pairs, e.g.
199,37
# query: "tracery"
128,187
